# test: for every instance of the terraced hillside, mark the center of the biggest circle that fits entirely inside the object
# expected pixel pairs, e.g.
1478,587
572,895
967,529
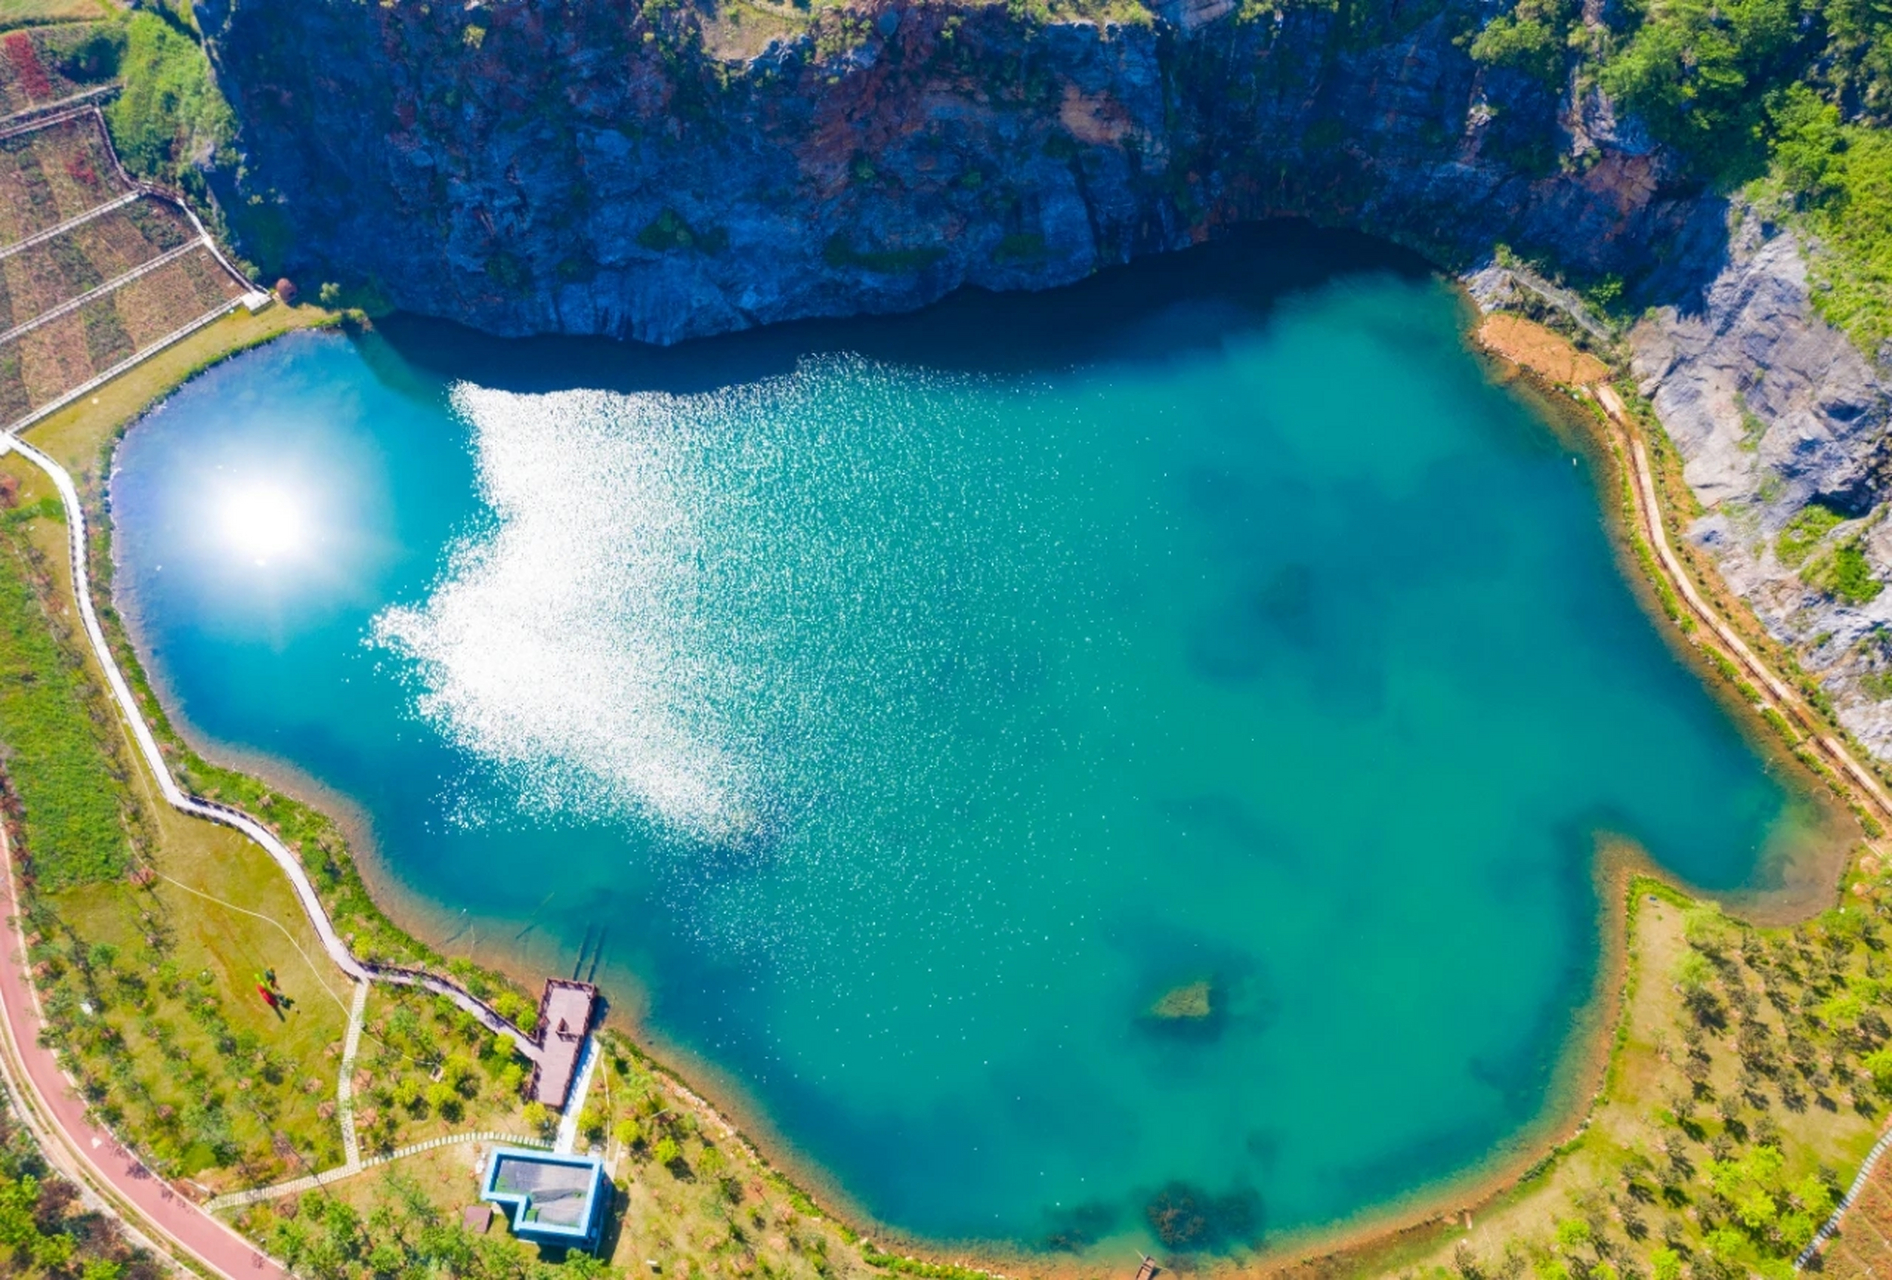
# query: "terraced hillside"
95,270
40,65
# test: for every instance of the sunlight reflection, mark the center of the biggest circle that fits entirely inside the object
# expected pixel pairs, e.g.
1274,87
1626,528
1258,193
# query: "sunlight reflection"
262,521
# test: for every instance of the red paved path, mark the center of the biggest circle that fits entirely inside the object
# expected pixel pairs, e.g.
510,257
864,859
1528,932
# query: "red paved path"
160,1209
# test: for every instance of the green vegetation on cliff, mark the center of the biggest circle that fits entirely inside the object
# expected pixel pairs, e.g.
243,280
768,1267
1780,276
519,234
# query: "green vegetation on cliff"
1798,90
170,121
1839,179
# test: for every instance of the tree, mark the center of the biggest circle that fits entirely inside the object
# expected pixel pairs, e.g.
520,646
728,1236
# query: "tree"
442,1097
1532,38
54,1252
460,1073
591,1121
537,1116
1572,1234
1698,72
666,1152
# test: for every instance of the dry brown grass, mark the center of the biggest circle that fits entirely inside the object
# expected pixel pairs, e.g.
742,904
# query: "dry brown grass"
52,174
54,358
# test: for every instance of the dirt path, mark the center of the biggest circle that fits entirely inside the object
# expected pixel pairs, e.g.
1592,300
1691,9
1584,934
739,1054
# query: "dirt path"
1649,523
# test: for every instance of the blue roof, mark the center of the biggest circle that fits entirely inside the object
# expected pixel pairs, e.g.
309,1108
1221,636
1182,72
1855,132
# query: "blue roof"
553,1199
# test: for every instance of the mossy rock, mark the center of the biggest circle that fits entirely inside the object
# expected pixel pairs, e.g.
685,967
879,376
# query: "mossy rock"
1190,1001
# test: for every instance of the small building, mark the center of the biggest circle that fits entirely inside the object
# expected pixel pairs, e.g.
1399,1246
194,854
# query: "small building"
555,1200
565,1014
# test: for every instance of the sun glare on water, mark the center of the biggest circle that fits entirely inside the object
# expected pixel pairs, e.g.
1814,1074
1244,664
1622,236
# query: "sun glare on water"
262,522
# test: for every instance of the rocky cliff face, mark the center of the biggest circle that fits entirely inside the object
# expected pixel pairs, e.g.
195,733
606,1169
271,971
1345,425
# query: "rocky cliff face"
665,172
1784,428
582,166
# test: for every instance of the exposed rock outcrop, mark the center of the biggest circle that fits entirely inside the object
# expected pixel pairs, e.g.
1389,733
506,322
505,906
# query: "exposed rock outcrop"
584,166
664,172
1774,412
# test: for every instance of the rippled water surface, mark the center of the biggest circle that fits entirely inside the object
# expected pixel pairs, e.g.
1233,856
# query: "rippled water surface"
912,704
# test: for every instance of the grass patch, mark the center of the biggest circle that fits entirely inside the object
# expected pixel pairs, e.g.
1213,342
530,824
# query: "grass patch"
1804,532
1844,574
1837,178
1852,271
68,780
1753,426
170,110
427,1068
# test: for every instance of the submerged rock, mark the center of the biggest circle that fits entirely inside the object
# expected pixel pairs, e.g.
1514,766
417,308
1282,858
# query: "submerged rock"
1193,1001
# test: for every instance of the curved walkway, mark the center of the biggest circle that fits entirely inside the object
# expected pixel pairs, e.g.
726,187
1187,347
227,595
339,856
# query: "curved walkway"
140,1193
238,1199
228,815
1649,517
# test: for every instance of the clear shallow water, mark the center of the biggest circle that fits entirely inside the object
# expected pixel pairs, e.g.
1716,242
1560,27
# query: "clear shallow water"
913,703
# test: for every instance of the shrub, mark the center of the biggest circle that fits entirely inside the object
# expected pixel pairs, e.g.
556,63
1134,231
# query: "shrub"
1532,38
1803,533
1845,575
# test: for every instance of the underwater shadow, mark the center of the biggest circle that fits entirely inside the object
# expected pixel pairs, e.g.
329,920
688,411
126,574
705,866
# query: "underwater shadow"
1153,309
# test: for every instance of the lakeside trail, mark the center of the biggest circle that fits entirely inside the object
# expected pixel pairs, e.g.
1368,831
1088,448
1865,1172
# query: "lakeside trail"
228,815
145,1199
1548,355
1818,736
139,1194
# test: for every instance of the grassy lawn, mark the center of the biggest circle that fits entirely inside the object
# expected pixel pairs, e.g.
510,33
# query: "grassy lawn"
691,1201
427,1069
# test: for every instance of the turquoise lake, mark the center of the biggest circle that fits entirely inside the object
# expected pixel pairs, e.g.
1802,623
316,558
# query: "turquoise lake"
908,705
